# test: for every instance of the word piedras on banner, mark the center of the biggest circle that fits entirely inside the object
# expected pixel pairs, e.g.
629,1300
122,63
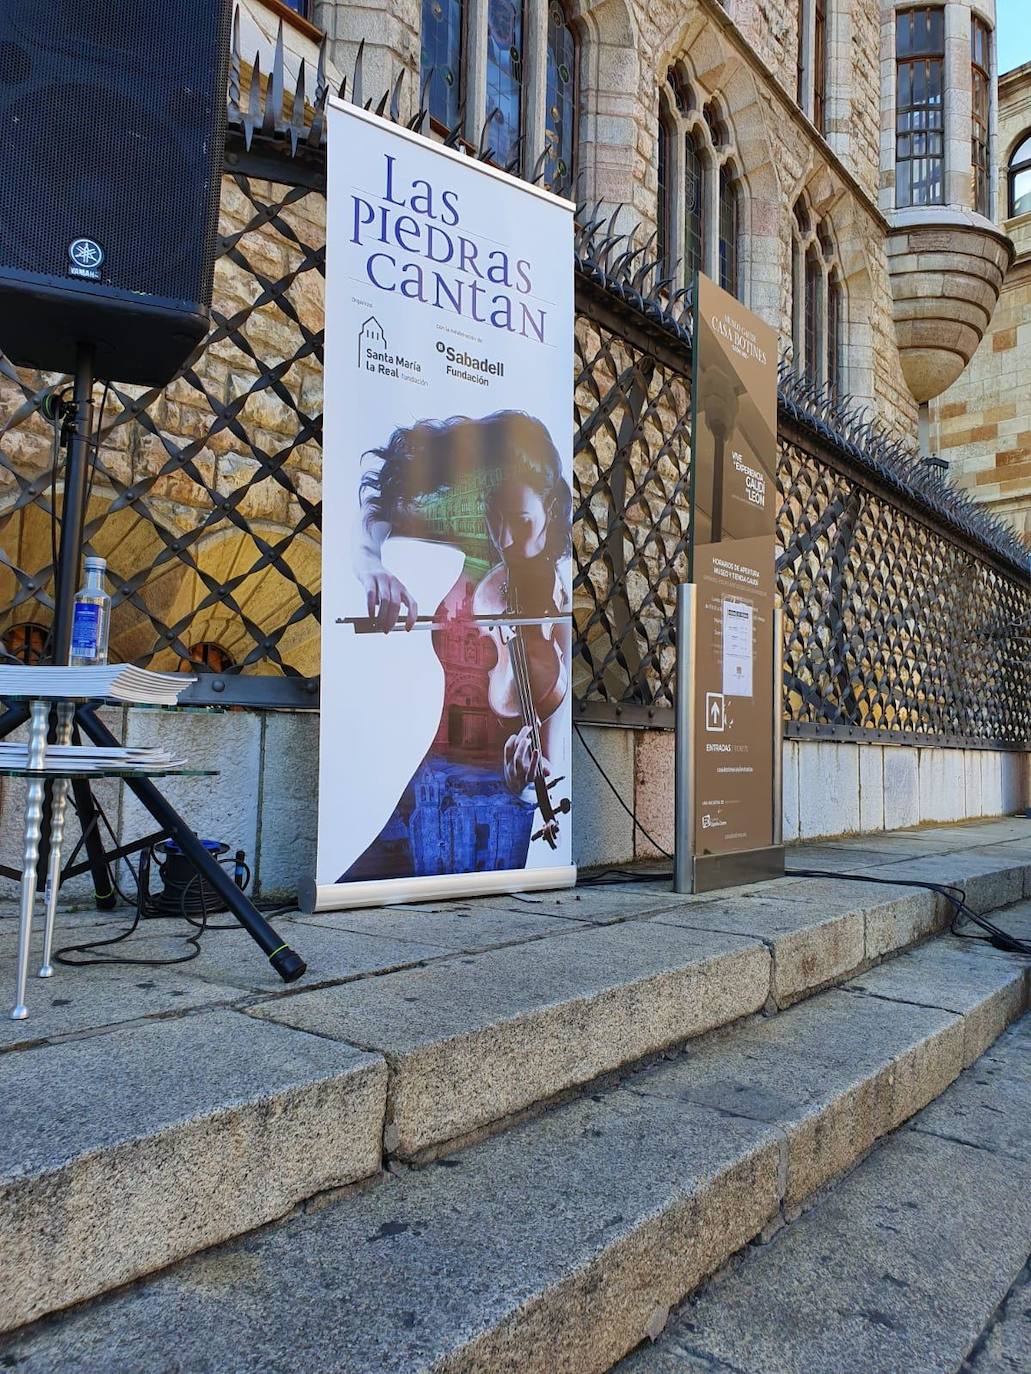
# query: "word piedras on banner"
416,223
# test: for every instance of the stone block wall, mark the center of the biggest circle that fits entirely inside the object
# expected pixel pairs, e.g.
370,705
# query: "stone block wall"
265,797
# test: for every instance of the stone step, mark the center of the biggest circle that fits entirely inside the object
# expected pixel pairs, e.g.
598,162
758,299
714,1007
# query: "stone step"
120,1153
916,1261
562,1242
475,1041
313,1087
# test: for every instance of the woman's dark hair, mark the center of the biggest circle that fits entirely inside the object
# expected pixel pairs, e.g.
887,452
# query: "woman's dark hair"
437,455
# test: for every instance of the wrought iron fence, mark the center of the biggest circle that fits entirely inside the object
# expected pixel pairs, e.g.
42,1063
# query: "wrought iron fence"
906,606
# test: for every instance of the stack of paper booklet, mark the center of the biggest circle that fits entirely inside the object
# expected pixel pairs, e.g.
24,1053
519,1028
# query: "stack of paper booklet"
108,681
92,758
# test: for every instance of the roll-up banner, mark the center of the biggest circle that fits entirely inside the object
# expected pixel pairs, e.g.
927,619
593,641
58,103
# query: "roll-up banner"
446,555
733,567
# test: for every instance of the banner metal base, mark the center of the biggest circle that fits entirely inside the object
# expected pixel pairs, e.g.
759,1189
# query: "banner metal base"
313,897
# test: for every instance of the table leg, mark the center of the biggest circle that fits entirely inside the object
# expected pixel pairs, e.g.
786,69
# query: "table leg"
65,715
33,822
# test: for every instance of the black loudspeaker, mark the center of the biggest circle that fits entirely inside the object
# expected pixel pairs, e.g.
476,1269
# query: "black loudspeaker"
112,133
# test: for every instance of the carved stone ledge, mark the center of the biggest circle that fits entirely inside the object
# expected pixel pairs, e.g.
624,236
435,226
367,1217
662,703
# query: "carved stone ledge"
947,268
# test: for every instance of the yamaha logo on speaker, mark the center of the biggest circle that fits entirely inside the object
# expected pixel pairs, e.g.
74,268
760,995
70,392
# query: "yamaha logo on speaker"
86,257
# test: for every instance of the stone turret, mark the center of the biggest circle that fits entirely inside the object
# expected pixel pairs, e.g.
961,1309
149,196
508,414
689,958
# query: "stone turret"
946,255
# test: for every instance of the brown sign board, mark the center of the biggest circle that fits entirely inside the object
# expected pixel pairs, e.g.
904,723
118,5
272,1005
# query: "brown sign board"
733,568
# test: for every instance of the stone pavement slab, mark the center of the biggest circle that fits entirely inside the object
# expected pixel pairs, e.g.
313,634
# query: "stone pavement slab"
973,1117
232,959
78,1001
1005,1346
988,987
898,1267
834,1075
123,1152
462,927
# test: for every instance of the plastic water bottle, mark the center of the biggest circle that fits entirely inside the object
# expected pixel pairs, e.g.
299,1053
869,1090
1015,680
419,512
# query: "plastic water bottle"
92,618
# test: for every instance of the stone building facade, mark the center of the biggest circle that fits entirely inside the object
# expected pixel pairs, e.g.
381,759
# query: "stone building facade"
764,141
830,160
982,424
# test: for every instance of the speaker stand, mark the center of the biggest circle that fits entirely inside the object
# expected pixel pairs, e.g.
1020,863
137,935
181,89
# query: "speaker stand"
286,962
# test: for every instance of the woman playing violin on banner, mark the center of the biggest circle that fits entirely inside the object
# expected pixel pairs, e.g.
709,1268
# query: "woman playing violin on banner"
492,488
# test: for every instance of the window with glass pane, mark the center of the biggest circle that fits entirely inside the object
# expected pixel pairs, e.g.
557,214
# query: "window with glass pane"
835,312
559,130
820,64
301,7
729,228
505,78
1020,178
980,59
694,206
919,108
800,68
813,281
442,55
664,208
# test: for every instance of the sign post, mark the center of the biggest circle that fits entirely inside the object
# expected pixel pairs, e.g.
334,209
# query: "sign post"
728,719
446,726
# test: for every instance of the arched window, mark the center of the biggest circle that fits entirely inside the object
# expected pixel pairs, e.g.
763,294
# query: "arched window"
664,236
699,212
813,293
211,656
730,230
512,64
1020,178
694,203
919,107
560,108
28,643
819,305
442,59
980,85
835,334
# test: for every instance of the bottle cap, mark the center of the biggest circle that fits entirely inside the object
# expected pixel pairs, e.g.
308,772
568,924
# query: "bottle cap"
94,562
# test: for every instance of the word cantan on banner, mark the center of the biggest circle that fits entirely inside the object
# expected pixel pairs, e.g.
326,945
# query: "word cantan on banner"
446,719
733,567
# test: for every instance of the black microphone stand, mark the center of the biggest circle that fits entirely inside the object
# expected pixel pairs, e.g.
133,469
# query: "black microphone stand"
286,962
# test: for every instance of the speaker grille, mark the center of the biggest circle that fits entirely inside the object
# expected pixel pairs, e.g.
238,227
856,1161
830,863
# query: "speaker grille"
112,121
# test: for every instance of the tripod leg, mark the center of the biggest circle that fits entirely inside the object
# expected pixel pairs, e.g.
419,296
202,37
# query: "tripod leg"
286,962
104,895
16,714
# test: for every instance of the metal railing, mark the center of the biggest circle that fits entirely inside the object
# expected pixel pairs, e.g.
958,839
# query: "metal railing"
906,606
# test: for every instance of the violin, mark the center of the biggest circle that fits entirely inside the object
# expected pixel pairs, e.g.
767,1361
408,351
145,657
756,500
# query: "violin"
529,683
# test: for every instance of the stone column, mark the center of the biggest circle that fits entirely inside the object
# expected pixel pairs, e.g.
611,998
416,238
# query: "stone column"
886,197
535,83
391,37
958,107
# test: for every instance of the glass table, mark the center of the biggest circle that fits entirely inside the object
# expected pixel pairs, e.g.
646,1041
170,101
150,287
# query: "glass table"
38,771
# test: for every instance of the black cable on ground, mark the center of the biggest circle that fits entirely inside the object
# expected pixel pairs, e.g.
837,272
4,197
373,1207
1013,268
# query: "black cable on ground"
194,897
955,895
